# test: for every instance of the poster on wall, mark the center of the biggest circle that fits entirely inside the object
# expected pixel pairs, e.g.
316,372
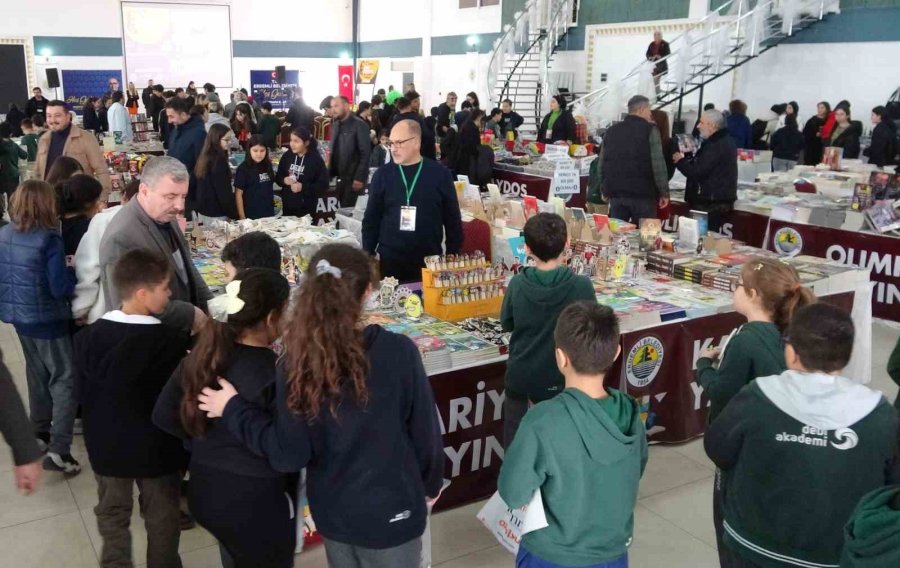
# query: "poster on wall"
78,85
264,87
345,81
366,71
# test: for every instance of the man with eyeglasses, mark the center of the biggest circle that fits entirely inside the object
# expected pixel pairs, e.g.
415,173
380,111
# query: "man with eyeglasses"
350,149
412,205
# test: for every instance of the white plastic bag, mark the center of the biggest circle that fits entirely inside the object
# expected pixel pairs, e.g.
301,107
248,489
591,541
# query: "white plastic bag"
509,525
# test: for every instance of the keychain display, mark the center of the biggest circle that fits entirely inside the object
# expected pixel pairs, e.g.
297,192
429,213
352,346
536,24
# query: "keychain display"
456,262
448,279
470,294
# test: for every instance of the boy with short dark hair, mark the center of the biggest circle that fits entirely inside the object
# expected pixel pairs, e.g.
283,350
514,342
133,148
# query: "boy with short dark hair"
251,250
800,449
585,450
534,299
123,362
493,123
269,126
29,139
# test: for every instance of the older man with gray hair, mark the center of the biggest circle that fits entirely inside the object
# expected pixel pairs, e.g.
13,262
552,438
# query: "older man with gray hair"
149,222
712,173
632,169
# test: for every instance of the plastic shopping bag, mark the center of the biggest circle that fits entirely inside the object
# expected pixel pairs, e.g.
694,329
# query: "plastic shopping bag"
509,525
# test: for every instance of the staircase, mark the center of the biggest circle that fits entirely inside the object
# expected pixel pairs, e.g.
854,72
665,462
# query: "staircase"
730,36
522,56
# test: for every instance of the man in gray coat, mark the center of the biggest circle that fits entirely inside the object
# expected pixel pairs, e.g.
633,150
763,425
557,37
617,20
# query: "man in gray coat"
350,150
148,222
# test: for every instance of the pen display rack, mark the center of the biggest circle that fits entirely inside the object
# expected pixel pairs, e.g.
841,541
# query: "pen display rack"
457,290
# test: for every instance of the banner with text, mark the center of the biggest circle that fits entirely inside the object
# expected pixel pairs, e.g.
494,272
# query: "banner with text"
78,85
265,87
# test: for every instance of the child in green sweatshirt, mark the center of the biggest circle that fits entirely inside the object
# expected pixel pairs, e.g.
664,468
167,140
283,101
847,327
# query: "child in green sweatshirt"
767,294
533,302
800,449
585,451
29,139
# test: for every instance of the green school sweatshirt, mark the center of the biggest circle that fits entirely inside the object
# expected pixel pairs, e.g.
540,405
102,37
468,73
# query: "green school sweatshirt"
30,141
10,152
270,129
799,451
586,456
754,351
872,537
532,304
893,369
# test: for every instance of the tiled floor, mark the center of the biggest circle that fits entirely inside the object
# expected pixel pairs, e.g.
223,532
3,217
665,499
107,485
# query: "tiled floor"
673,519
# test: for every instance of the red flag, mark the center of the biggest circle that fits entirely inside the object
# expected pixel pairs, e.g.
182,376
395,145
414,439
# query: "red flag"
345,81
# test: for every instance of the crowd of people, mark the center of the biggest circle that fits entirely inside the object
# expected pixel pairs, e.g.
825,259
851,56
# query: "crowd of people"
116,323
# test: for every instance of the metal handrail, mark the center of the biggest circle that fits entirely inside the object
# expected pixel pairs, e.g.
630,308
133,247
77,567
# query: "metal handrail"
511,29
736,22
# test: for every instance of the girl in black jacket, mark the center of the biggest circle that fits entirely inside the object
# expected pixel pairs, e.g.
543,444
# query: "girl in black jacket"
302,175
883,148
812,139
89,119
845,134
234,493
787,143
354,407
559,124
468,143
215,196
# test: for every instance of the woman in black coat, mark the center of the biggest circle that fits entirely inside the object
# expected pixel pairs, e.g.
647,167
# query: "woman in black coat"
559,124
812,141
845,134
883,148
90,120
468,143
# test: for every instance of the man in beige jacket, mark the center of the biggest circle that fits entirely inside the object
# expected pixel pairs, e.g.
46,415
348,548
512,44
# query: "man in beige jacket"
66,139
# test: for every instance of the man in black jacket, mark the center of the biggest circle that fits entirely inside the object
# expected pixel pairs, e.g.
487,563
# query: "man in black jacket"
350,149
412,203
408,109
633,175
712,173
146,96
883,148
300,113
36,104
186,138
157,104
446,115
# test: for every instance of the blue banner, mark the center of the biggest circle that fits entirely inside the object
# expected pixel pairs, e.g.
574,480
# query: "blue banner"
78,85
265,88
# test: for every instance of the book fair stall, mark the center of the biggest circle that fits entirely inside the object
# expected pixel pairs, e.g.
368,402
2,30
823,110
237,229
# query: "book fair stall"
671,291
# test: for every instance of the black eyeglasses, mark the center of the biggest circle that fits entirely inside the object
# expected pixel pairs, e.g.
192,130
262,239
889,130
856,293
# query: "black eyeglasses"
398,143
735,284
785,340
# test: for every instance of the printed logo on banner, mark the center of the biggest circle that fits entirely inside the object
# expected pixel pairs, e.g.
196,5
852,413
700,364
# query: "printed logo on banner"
512,188
644,361
788,241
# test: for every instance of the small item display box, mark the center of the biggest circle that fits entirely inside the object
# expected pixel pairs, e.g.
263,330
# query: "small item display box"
456,287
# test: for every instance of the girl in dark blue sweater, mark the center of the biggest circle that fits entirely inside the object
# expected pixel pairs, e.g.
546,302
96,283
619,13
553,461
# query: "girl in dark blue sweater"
254,182
302,175
234,493
355,408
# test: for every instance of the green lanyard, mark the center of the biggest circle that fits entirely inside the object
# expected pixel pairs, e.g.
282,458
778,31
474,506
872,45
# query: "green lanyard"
410,189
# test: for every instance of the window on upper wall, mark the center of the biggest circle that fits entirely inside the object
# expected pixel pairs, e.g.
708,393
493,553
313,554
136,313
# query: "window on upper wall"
477,3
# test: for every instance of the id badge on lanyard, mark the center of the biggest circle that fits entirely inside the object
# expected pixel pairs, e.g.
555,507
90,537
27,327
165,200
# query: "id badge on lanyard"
407,218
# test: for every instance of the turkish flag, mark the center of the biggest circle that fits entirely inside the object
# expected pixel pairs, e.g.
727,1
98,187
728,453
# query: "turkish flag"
345,81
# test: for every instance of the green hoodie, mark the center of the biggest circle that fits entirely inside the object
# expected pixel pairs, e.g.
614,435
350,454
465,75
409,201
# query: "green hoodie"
532,304
872,537
587,457
893,369
755,351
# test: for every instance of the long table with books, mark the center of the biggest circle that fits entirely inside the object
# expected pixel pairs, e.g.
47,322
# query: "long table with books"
667,317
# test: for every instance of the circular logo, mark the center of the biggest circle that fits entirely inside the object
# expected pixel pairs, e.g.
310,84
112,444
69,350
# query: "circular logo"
788,242
644,361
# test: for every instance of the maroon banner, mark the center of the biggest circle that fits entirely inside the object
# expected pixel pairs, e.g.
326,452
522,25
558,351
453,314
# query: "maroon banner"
514,184
740,225
879,254
470,405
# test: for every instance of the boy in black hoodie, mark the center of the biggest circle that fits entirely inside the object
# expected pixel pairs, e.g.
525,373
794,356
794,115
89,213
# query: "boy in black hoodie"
532,304
123,362
800,449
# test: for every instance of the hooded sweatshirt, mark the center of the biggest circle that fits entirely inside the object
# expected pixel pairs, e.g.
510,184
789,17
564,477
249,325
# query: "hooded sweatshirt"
755,351
586,456
799,451
872,537
533,302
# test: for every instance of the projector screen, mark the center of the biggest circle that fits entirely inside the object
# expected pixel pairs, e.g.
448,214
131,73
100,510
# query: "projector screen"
174,44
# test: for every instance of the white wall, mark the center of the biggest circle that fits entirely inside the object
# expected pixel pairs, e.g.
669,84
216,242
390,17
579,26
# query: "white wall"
863,73
291,20
390,19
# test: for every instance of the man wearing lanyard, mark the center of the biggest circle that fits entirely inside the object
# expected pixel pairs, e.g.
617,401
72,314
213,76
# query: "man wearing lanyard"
412,203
